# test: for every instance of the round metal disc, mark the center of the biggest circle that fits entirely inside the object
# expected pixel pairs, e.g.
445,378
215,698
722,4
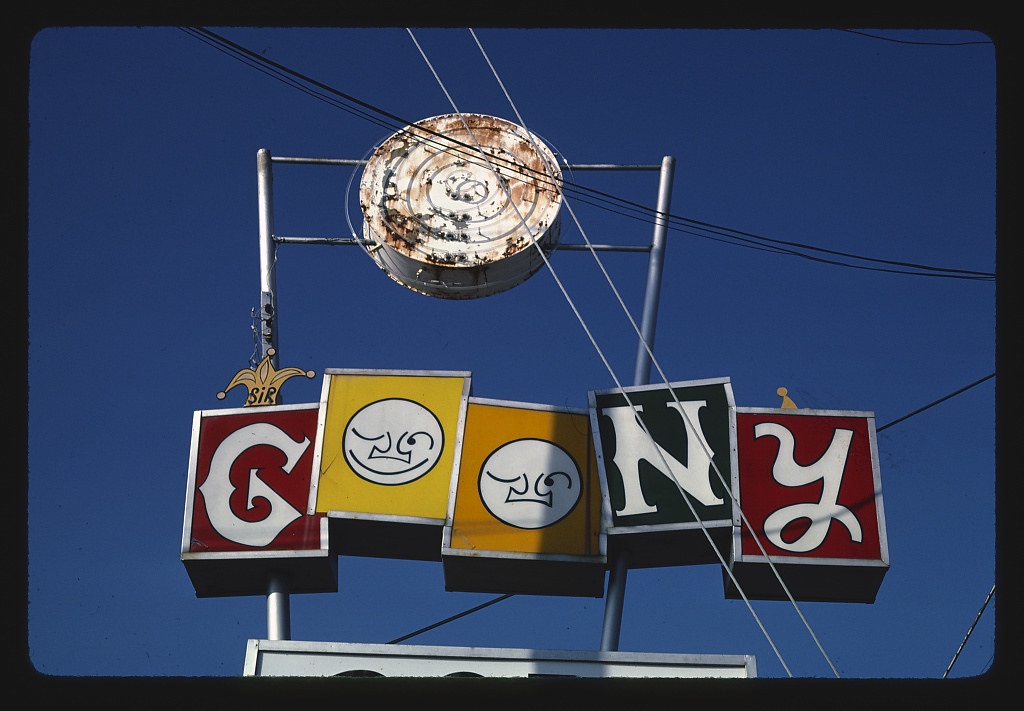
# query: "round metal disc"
461,205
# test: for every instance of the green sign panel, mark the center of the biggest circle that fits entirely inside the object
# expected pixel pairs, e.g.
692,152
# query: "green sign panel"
667,452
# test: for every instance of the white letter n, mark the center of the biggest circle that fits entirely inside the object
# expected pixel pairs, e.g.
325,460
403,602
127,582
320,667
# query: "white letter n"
634,444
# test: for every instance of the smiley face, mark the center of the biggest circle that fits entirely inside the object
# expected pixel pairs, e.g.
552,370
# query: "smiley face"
530,483
393,441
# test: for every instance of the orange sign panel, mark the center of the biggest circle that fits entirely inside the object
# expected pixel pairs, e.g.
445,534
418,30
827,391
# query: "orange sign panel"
527,482
389,442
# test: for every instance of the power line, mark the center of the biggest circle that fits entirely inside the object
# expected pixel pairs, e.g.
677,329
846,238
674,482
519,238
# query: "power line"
970,630
601,200
450,619
913,42
689,424
898,420
941,399
613,375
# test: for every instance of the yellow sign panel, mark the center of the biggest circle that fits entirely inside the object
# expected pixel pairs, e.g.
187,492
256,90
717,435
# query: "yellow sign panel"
389,441
527,482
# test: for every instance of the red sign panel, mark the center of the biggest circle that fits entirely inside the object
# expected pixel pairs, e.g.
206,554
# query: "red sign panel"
809,489
249,481
808,484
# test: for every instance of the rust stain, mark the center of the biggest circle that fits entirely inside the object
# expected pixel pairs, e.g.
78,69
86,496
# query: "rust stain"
461,199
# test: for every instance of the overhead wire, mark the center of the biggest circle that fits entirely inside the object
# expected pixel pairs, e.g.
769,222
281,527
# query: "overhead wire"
970,631
692,430
286,75
883,427
450,619
611,371
594,342
913,42
601,355
936,402
598,199
589,334
618,383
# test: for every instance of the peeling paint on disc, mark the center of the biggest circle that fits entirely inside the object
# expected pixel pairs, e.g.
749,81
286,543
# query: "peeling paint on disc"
458,212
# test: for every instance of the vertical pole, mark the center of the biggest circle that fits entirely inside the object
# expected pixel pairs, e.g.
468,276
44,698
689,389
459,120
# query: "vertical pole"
641,376
278,613
268,285
655,267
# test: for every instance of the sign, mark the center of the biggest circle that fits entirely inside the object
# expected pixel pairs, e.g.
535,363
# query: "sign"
525,498
345,659
809,488
666,456
390,442
524,512
245,512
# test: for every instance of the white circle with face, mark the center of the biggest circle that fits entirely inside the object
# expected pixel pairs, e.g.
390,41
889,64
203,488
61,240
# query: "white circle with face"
393,441
530,483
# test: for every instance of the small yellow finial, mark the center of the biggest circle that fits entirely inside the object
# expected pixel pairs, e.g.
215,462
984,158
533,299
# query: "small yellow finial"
787,404
263,381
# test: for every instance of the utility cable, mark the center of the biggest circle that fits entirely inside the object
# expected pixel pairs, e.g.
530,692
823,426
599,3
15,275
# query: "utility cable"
941,399
610,282
450,619
901,419
969,631
697,228
679,486
692,428
901,41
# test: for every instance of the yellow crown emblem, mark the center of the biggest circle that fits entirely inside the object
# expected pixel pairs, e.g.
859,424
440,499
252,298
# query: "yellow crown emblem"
787,402
263,381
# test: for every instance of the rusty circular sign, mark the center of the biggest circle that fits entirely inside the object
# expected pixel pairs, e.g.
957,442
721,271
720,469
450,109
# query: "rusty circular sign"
461,206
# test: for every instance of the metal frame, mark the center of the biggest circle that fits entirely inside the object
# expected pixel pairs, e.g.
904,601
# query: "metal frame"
278,615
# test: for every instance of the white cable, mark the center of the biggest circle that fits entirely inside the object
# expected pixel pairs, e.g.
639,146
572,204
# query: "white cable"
969,631
618,384
650,353
611,371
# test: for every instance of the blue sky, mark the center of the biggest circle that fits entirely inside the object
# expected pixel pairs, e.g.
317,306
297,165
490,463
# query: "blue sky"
846,147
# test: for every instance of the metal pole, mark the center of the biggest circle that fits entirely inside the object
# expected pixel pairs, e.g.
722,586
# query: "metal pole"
613,602
278,611
656,264
268,280
641,376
